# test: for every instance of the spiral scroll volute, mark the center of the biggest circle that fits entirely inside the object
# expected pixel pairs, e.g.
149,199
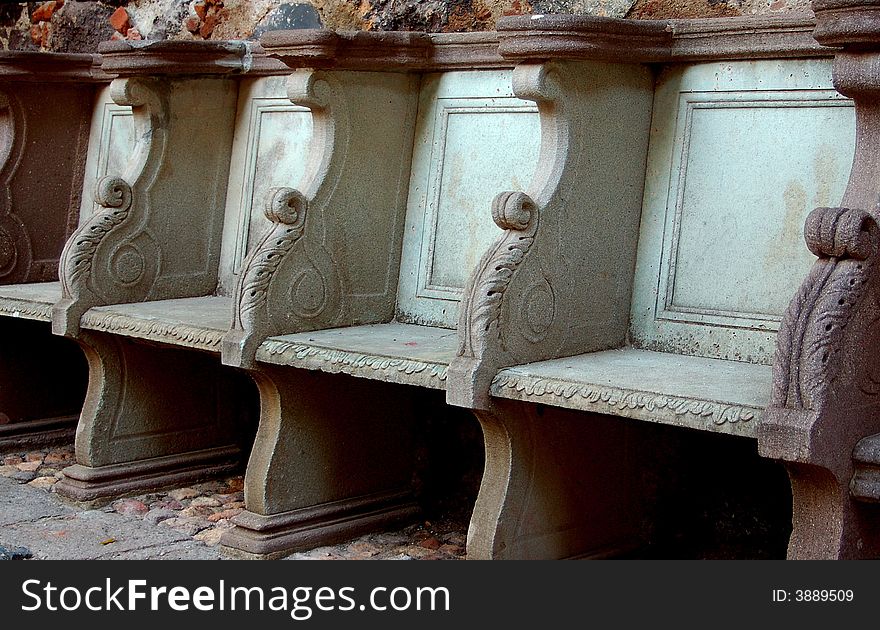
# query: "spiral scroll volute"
112,192
514,211
841,233
287,206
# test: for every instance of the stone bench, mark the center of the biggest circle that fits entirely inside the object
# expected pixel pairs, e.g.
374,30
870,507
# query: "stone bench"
167,146
46,102
733,326
598,296
334,455
147,281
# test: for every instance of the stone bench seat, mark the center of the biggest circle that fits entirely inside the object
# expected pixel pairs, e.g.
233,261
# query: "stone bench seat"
395,353
734,327
198,322
158,242
478,303
686,391
30,301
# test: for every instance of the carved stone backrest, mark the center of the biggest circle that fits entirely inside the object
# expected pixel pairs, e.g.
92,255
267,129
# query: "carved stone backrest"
331,257
111,143
558,280
741,151
158,233
473,138
44,124
270,149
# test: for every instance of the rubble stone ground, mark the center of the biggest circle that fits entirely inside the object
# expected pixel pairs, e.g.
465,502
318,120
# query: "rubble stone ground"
179,523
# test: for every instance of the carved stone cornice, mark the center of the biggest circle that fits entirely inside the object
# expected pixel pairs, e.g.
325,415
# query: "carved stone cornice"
50,67
353,50
131,58
383,51
854,24
537,37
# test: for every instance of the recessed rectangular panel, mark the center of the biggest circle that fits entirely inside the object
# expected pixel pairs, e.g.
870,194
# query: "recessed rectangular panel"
111,142
474,139
272,137
740,154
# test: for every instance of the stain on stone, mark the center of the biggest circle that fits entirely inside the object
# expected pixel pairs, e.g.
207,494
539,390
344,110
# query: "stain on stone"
289,16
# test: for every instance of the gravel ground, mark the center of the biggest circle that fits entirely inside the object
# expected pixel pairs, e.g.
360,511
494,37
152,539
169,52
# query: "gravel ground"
199,512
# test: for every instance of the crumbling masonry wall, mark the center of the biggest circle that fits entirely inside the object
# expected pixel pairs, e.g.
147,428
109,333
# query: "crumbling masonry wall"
71,26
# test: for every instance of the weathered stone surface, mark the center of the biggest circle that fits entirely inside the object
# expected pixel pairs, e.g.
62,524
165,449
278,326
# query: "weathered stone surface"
79,26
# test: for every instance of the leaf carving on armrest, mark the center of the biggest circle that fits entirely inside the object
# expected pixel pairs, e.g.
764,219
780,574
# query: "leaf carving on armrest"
517,214
286,208
816,327
114,195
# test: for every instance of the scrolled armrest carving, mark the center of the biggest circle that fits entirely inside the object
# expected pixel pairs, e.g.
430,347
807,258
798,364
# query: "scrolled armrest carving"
818,326
113,258
289,282
483,300
516,213
841,233
114,196
286,208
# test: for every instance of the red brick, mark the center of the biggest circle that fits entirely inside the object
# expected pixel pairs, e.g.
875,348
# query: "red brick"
209,24
120,21
201,9
44,12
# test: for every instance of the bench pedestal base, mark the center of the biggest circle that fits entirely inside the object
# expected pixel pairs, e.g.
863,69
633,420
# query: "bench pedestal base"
333,459
85,484
557,484
155,416
268,537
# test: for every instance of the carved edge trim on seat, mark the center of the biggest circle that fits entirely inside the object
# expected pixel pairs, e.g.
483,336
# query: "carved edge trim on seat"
164,332
124,200
25,309
390,369
681,411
